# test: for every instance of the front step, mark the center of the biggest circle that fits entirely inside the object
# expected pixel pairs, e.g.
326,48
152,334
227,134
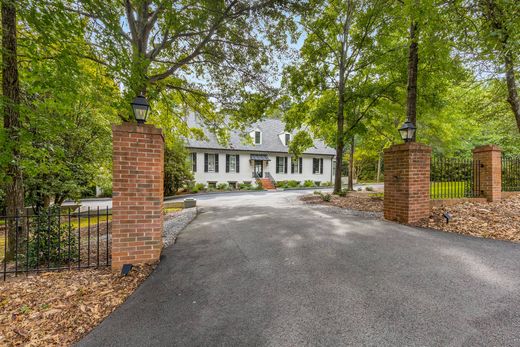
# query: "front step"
266,183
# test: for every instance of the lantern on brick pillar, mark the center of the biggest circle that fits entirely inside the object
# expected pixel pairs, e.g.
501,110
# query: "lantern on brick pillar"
140,108
407,131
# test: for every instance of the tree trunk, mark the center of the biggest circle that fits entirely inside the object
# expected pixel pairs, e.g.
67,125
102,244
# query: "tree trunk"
513,99
413,63
340,143
351,166
14,199
378,175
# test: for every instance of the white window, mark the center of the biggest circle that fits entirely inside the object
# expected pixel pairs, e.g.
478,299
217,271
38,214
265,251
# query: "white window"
211,163
233,163
296,165
317,165
258,137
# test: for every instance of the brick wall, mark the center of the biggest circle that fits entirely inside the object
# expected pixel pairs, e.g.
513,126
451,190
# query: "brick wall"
137,203
490,158
407,182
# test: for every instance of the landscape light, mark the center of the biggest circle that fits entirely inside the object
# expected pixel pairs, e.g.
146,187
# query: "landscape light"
140,107
407,131
126,269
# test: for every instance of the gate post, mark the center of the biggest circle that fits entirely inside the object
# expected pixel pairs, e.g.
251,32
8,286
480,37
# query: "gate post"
407,182
490,176
137,198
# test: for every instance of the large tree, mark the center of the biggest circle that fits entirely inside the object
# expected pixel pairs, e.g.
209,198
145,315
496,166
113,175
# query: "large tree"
14,195
334,84
212,53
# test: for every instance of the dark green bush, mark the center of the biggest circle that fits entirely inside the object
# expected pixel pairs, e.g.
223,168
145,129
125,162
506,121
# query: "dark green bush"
50,240
308,183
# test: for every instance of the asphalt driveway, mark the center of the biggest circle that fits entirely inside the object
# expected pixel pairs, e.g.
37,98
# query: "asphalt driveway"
263,270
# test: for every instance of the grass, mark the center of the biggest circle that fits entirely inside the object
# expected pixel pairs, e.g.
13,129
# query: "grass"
83,221
440,190
171,210
2,245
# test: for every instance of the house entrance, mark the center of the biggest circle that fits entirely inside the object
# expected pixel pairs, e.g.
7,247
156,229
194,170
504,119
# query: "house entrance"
259,168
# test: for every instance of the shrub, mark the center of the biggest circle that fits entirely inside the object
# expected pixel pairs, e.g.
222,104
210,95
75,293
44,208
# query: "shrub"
281,184
317,192
222,186
369,189
258,187
326,197
50,241
244,186
293,184
326,184
198,187
308,183
342,193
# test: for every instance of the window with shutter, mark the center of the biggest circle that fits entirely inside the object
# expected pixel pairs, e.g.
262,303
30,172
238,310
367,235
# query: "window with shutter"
238,163
315,165
216,162
232,163
321,166
206,159
194,162
301,165
258,138
285,161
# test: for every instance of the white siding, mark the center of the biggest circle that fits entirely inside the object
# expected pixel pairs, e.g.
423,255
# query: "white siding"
246,168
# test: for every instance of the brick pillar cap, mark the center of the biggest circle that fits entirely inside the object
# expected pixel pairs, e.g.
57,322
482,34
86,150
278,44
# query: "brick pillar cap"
409,146
128,127
487,148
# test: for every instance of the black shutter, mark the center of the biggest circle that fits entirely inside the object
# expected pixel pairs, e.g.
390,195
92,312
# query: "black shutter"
205,162
314,165
292,165
194,162
216,162
227,162
285,166
321,166
277,164
301,165
238,163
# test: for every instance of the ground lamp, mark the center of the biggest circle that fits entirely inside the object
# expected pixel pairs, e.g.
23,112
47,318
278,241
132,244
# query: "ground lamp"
140,107
407,131
126,269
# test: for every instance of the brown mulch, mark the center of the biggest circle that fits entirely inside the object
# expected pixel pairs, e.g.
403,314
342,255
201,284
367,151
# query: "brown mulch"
495,220
353,201
58,308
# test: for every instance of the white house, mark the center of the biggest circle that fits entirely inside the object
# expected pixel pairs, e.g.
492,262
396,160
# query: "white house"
265,159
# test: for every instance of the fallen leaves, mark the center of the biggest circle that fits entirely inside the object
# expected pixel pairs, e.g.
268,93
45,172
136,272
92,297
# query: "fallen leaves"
58,308
495,220
354,201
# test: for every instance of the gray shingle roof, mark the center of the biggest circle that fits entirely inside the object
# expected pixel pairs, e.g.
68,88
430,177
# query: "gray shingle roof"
271,142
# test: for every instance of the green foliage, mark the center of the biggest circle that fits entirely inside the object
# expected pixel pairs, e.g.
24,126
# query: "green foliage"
342,193
326,184
177,168
198,187
222,186
282,184
245,186
309,183
293,184
326,197
50,240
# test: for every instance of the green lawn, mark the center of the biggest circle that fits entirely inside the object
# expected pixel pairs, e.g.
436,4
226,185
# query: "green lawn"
2,245
84,221
440,190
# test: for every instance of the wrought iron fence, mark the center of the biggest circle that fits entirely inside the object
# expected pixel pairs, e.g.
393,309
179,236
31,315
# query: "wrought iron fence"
452,178
55,239
511,174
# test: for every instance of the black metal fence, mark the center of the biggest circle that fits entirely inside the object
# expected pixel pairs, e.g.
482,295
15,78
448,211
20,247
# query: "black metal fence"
55,239
452,178
511,174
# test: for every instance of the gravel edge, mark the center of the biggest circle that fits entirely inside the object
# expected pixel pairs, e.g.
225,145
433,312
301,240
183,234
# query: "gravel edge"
174,223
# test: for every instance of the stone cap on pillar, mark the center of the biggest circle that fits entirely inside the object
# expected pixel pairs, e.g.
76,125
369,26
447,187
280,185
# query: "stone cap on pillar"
409,146
487,148
129,127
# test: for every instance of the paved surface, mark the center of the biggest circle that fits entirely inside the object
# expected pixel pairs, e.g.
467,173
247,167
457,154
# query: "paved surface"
262,270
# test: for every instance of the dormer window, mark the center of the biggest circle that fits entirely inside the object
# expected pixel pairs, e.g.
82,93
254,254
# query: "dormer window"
287,139
258,137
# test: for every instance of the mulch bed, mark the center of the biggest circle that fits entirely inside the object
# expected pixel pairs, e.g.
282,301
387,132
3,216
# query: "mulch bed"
353,201
58,308
495,220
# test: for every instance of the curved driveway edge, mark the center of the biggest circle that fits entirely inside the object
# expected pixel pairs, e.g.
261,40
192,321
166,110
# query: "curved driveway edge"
267,271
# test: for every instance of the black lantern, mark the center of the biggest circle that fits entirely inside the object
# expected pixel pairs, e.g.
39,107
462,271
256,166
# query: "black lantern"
407,131
140,107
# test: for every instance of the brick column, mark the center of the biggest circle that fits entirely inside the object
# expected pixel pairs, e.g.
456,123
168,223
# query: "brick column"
137,203
407,182
490,158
